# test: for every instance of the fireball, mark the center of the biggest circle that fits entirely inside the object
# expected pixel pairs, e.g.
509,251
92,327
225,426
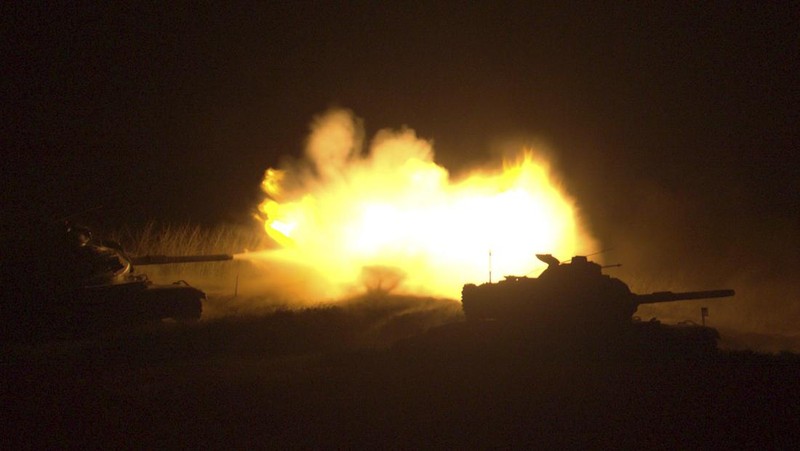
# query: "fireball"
392,219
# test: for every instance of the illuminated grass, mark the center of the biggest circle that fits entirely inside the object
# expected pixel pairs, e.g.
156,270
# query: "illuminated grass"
188,239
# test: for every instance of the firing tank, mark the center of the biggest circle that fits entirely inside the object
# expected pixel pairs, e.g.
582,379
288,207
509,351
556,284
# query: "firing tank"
70,282
576,299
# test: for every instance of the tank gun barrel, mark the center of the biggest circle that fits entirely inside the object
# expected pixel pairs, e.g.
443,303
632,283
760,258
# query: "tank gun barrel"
669,296
167,259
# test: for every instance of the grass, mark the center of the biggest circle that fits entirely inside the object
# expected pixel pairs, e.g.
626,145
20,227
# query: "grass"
187,239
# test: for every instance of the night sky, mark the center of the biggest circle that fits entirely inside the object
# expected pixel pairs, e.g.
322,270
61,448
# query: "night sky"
656,116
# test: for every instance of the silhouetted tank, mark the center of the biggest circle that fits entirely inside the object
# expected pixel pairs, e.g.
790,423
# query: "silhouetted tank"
75,283
570,298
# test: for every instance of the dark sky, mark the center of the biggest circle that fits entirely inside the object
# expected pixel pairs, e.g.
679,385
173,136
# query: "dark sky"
174,112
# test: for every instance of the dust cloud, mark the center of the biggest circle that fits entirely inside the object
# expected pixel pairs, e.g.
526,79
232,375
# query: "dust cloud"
679,241
665,237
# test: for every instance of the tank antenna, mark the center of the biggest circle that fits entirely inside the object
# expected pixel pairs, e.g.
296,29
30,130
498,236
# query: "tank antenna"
599,252
490,266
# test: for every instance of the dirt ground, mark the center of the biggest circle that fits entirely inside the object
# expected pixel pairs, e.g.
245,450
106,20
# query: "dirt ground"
346,377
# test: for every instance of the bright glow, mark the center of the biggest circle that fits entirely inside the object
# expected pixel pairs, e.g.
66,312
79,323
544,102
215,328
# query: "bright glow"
343,213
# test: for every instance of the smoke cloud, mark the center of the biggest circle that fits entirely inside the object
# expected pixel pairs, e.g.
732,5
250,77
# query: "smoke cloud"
346,210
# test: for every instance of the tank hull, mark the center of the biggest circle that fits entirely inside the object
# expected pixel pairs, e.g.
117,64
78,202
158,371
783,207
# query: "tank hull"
85,311
541,304
138,301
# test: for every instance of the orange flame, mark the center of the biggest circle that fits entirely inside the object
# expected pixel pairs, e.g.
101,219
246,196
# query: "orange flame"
394,214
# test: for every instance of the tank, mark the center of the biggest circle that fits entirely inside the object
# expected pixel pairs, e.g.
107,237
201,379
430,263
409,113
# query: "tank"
68,282
575,299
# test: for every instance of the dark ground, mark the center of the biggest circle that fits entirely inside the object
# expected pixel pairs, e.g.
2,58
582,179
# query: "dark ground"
346,376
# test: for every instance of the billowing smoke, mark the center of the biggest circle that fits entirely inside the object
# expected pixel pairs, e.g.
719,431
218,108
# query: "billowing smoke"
390,218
